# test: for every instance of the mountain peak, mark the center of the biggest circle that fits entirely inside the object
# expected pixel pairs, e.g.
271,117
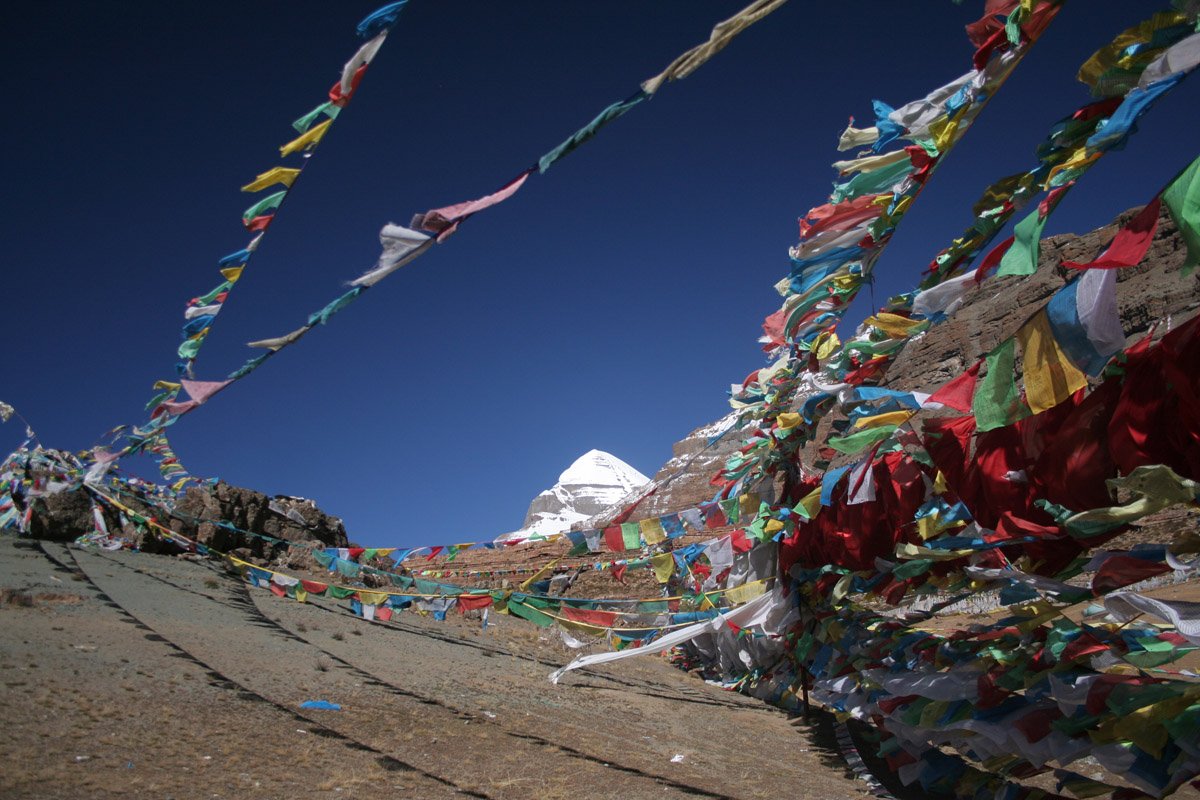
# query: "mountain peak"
594,482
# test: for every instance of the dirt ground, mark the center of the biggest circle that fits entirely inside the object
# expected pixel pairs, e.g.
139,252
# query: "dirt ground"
128,675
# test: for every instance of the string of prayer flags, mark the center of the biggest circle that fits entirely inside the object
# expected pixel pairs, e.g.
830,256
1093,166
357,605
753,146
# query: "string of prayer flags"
722,34
202,311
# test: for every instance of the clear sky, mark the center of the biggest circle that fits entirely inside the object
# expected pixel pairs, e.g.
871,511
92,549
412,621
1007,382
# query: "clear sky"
608,305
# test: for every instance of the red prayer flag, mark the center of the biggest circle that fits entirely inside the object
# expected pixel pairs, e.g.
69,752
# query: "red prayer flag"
739,541
473,602
1083,645
335,92
1119,571
993,258
1129,246
313,587
614,539
958,393
618,573
259,223
602,619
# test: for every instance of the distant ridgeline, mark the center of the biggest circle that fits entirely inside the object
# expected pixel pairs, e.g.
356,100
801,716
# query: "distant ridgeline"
1018,434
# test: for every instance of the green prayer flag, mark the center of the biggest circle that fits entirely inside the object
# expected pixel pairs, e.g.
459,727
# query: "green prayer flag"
631,534
529,613
997,402
857,442
305,122
732,508
911,569
161,396
606,116
190,348
1022,257
249,366
211,297
340,592
268,203
337,305
1182,198
871,182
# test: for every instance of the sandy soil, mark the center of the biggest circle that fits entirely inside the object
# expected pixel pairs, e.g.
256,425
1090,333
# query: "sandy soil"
129,675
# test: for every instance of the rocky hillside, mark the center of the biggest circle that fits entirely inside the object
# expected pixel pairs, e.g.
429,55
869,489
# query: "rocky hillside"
1154,290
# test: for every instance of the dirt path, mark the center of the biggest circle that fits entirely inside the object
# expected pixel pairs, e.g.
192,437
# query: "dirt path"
444,707
98,705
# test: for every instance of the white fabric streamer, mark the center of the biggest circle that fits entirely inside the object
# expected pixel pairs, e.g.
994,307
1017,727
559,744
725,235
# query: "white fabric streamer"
772,612
1124,606
400,246
1183,56
364,56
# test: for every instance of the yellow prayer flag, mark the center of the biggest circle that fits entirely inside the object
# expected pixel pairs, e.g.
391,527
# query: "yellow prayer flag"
825,344
1079,159
301,595
372,598
889,418
905,550
745,593
652,530
788,420
232,274
895,325
944,131
167,386
928,527
306,141
284,175
773,526
1050,377
748,504
812,502
663,566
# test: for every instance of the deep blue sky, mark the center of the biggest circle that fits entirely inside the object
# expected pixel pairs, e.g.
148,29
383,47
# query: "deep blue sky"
608,305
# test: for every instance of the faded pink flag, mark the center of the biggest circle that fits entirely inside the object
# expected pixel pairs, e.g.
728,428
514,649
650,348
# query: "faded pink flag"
444,221
200,391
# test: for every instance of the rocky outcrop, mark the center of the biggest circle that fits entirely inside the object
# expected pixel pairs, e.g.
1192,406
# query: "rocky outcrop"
683,482
290,519
61,517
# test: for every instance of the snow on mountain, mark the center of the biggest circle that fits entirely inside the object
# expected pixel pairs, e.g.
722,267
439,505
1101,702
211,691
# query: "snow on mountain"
596,481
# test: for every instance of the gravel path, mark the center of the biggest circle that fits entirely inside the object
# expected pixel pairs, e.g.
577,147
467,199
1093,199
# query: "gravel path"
431,708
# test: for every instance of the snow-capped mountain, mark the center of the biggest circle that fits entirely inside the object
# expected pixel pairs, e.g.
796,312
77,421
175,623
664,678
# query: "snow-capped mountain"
596,481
